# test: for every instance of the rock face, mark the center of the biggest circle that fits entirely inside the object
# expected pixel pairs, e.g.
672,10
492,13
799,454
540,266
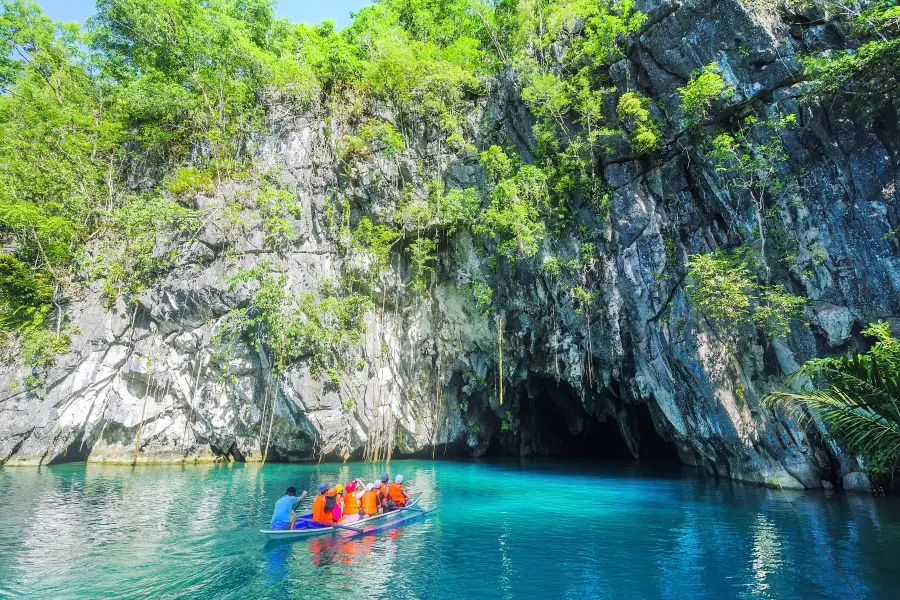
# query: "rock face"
642,375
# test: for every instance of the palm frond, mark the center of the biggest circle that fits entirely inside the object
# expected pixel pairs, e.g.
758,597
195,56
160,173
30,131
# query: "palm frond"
858,375
860,425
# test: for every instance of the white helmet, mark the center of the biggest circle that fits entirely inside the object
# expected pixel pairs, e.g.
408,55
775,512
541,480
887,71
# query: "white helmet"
398,479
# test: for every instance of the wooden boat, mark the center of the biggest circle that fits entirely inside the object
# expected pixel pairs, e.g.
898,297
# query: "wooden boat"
305,528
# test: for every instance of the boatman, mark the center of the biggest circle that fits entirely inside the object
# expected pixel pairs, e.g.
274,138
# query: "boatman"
284,515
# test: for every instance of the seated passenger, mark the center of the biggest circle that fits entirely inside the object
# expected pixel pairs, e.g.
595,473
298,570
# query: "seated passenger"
284,516
323,505
337,511
351,503
371,501
384,490
397,492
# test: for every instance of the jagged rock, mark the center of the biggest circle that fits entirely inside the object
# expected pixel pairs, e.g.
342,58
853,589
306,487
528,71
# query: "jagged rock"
643,376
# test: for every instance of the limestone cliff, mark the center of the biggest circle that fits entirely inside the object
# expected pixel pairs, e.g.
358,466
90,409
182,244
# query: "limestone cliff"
642,374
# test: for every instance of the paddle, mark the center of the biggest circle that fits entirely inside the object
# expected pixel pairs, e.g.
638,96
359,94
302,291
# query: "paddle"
399,508
336,525
354,529
395,523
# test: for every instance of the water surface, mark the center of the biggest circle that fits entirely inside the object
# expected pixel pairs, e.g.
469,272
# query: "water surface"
507,529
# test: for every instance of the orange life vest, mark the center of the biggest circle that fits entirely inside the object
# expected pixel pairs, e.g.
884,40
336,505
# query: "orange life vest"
384,490
351,503
370,502
319,514
397,494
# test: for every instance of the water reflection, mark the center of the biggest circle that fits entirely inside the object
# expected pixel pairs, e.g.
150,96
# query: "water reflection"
766,554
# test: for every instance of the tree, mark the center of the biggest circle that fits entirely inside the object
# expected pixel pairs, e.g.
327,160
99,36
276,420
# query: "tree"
753,166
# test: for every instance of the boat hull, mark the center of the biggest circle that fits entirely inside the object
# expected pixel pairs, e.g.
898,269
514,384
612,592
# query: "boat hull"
307,530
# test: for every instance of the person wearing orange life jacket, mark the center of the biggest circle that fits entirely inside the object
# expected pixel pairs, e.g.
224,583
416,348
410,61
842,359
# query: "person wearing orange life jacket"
351,503
397,493
384,488
321,510
371,501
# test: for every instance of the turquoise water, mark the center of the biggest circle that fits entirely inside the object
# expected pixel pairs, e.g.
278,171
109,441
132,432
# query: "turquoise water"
506,529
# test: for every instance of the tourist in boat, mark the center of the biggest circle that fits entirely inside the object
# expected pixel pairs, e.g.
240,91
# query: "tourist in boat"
384,487
351,503
323,505
284,516
397,493
371,500
338,510
382,498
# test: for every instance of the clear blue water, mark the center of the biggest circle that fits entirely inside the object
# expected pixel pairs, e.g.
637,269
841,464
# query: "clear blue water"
506,529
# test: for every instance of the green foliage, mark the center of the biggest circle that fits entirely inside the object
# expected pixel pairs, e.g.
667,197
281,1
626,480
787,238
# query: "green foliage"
509,423
376,241
643,132
582,299
867,71
552,267
439,209
276,205
40,347
701,91
858,396
138,243
422,254
724,289
513,218
217,53
353,150
752,160
496,164
381,137
569,91
318,331
483,295
25,295
189,181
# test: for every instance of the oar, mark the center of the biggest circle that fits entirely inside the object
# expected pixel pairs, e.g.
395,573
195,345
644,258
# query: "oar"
399,508
354,529
336,525
394,523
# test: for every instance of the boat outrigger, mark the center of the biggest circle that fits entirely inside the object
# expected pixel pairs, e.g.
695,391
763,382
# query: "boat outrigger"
305,526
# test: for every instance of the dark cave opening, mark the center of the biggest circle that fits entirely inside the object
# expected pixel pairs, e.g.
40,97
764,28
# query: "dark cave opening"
552,421
558,425
77,451
653,447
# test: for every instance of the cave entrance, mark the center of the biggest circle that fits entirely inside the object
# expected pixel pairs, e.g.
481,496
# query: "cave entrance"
652,446
553,422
